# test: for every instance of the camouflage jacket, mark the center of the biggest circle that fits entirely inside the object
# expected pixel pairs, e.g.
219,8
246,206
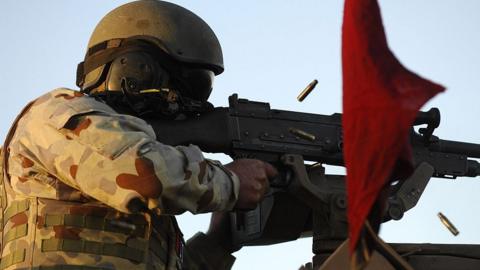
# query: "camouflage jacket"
73,166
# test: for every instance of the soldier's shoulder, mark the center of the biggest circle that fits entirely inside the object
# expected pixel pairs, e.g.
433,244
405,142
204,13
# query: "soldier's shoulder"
58,105
74,99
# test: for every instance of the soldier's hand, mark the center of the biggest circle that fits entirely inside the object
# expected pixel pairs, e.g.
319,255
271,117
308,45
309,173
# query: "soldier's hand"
253,175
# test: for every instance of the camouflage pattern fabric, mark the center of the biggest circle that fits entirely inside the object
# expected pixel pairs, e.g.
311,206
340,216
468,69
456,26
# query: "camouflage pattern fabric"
75,164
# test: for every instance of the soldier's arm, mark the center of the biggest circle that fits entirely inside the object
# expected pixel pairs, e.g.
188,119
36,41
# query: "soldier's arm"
115,158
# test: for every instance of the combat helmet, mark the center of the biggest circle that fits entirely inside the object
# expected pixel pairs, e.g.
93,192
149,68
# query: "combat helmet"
175,36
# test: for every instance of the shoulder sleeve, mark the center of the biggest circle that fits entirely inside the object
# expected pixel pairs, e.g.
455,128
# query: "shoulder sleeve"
115,158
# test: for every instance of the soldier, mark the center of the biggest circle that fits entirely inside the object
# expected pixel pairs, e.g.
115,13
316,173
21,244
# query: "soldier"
86,184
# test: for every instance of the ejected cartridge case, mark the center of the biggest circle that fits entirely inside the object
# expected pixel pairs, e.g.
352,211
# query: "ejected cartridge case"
448,224
302,134
307,90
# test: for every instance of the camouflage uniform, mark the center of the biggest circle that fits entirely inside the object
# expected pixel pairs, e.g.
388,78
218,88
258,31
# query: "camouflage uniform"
74,164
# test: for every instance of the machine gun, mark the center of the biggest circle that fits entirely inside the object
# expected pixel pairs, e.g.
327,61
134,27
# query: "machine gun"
303,200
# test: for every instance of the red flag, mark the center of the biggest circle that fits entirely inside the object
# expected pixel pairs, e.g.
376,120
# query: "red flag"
381,99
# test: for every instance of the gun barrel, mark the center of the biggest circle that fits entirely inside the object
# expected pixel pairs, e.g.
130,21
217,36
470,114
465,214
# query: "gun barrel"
473,168
469,149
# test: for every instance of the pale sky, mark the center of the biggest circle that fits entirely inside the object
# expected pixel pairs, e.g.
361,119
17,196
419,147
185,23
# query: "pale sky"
272,49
